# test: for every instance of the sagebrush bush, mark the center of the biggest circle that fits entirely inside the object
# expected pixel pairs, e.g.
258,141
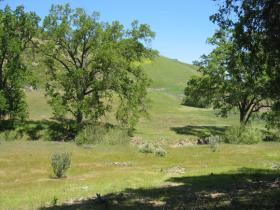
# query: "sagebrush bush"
159,151
101,134
151,148
60,163
242,135
213,142
147,148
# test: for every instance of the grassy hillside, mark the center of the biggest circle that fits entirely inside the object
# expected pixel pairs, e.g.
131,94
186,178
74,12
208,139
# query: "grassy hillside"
169,75
168,119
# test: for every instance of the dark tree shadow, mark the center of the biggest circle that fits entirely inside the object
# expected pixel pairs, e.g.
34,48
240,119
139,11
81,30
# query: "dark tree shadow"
247,189
200,131
42,129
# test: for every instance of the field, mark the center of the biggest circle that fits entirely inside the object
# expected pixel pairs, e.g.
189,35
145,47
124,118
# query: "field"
189,177
146,180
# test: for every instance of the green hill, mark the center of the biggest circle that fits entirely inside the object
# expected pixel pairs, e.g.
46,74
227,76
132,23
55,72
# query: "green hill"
169,75
168,119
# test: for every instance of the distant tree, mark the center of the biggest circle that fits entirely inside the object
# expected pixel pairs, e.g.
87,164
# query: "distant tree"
17,29
90,62
230,79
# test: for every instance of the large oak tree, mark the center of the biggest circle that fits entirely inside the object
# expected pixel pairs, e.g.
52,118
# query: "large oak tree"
91,62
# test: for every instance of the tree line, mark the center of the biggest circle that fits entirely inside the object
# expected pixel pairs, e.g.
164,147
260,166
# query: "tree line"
92,64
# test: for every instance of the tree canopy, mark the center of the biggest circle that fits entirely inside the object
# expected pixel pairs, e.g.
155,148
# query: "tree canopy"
230,80
91,62
243,71
17,30
255,26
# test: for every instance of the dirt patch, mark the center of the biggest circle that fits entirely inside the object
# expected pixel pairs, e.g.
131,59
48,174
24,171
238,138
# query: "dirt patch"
122,164
136,141
183,143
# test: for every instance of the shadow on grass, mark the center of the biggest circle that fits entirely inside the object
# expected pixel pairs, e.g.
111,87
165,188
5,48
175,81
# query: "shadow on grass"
200,131
35,130
247,189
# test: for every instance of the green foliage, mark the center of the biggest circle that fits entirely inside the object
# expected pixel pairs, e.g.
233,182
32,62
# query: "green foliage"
255,29
102,134
147,148
17,30
213,142
230,80
151,148
159,151
273,136
194,100
89,62
255,32
54,201
273,117
243,135
60,163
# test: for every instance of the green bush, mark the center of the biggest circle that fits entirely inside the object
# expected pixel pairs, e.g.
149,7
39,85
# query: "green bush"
10,135
242,135
213,142
159,151
273,136
147,148
60,163
102,134
151,148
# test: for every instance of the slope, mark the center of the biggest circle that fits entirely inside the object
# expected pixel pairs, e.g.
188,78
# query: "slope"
168,119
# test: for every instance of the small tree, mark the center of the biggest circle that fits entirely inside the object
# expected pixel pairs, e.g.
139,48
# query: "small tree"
90,62
17,29
230,79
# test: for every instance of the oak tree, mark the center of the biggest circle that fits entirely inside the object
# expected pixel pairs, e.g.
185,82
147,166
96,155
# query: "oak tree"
91,63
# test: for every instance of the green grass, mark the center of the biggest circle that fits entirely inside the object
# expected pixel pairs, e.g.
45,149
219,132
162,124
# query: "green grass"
240,174
26,177
169,75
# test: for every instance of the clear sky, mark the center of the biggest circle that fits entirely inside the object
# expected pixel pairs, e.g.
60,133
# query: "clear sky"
181,26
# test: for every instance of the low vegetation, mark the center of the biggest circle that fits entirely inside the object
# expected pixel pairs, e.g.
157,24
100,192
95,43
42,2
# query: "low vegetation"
102,134
60,163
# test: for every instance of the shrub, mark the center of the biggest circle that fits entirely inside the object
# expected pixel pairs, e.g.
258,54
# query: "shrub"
54,201
213,142
159,151
60,163
242,135
147,148
272,136
151,148
97,134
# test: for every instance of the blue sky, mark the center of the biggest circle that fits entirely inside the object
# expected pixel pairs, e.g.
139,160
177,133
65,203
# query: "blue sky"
181,26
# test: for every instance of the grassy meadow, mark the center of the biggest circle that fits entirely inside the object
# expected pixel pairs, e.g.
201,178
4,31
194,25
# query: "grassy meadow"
188,177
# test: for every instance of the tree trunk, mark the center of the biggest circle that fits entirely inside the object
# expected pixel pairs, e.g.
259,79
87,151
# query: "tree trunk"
245,114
